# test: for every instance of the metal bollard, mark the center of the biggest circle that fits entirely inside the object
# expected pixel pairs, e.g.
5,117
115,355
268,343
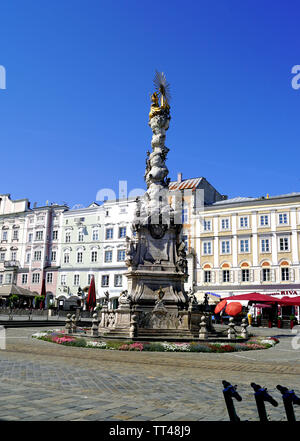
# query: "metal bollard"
289,398
230,392
261,395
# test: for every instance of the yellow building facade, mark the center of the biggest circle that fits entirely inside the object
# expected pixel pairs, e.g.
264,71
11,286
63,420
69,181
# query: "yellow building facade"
244,245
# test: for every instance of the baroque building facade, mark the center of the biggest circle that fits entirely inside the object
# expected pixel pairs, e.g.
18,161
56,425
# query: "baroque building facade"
30,243
234,246
248,244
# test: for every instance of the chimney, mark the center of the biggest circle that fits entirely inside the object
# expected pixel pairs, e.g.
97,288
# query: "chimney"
179,177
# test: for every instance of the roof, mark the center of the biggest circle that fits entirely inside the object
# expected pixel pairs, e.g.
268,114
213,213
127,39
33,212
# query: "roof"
241,199
7,290
185,184
234,200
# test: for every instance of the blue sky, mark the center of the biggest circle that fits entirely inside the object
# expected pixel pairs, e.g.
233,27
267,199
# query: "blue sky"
74,116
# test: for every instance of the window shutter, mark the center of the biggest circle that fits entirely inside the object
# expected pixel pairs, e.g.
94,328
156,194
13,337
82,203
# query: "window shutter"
273,275
220,276
292,274
251,275
213,276
239,275
231,276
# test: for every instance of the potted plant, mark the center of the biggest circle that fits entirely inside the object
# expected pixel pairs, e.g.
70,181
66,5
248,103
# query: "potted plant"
279,321
13,300
292,321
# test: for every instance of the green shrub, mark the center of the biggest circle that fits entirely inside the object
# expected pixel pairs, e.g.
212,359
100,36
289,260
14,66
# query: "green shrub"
80,342
117,344
155,347
198,347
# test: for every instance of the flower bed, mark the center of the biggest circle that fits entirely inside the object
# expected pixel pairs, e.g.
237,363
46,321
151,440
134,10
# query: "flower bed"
254,343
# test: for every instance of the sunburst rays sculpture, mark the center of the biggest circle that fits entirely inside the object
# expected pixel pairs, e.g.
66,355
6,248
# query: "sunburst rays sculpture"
162,88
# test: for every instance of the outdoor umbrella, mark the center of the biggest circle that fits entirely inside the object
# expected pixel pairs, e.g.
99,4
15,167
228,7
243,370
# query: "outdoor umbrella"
254,297
234,308
91,298
43,293
290,301
220,306
262,305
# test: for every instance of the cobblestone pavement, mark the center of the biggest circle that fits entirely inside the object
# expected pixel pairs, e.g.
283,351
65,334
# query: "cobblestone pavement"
42,381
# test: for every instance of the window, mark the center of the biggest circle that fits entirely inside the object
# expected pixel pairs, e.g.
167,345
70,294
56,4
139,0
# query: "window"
109,233
8,278
37,255
4,235
1,279
121,255
184,216
107,213
2,257
94,256
265,245
108,256
39,235
68,237
226,275
244,246
90,278
285,274
264,220
225,247
118,279
76,279
207,247
30,236
66,257
207,225
49,277
207,276
24,279
245,275
79,257
105,281
80,236
284,244
244,222
55,235
53,256
266,274
15,234
122,232
36,278
13,255
28,256
40,218
95,235
63,279
283,218
225,224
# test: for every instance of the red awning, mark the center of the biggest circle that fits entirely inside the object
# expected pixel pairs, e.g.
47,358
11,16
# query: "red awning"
262,305
290,301
254,297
